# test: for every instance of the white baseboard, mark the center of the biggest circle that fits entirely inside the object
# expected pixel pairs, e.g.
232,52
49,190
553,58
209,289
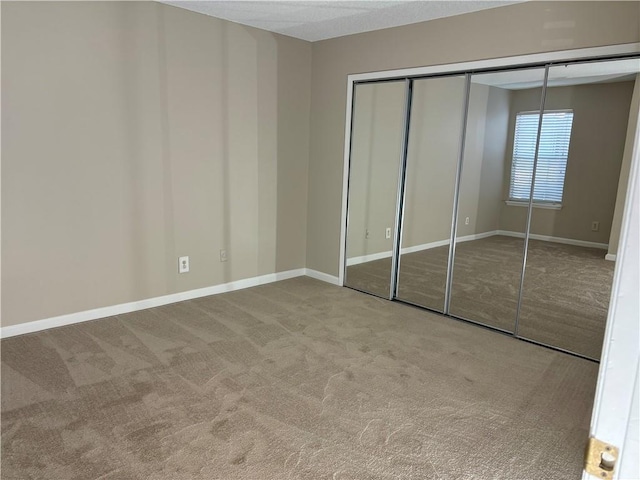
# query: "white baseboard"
325,277
418,248
96,313
442,243
424,246
477,236
547,238
78,317
367,258
610,256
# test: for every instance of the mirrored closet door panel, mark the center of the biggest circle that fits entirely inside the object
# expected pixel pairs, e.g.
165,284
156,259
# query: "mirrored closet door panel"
432,159
489,250
376,148
580,181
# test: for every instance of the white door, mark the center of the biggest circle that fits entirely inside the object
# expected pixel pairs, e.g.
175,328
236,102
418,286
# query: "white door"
616,418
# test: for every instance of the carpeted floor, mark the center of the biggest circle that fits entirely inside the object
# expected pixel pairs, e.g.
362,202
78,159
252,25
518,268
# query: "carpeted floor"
566,289
297,379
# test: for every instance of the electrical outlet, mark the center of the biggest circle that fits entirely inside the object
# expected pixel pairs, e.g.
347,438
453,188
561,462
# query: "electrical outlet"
595,226
466,221
387,233
223,255
366,233
183,265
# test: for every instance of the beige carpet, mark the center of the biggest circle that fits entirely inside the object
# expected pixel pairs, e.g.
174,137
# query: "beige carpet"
566,295
297,379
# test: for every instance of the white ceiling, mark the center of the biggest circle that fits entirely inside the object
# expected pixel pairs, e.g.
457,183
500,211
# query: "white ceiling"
318,20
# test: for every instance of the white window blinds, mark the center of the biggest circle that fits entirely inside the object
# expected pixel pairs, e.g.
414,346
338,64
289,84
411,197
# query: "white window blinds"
552,156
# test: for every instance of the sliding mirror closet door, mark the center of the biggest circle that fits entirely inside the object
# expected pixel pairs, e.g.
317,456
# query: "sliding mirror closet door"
374,167
580,184
432,158
489,248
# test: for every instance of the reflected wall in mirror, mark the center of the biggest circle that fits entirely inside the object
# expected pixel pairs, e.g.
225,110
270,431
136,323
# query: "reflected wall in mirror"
376,141
582,170
432,159
489,255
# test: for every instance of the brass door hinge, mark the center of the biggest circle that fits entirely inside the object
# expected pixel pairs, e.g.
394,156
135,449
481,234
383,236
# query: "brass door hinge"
600,459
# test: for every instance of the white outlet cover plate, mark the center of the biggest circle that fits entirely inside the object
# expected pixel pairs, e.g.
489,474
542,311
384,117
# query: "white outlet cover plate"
183,264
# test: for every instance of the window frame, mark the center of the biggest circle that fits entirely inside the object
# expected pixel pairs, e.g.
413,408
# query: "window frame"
538,203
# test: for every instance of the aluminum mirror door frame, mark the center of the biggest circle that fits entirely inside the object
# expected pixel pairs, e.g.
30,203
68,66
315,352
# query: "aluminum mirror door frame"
531,191
499,272
430,157
402,180
399,186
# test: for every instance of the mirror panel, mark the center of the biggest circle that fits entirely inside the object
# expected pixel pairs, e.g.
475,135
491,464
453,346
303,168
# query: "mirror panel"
551,287
583,162
376,147
489,250
432,159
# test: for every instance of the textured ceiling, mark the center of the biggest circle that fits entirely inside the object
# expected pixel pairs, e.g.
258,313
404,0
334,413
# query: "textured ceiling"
319,20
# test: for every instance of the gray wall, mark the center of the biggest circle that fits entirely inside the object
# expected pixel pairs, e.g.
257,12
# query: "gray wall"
601,114
434,139
134,133
519,29
375,157
483,165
